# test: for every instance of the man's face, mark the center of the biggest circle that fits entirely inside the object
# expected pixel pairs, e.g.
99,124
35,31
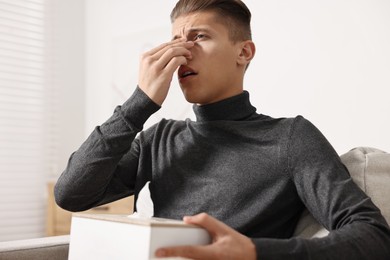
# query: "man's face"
213,73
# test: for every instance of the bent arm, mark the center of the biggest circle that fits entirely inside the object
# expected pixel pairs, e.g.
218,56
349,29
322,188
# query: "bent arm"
104,168
357,228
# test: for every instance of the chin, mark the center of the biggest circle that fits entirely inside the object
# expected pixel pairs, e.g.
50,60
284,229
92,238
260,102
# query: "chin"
191,99
199,101
189,95
196,96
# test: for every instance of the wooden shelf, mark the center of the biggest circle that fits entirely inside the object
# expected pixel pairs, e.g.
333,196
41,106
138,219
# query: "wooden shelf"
59,220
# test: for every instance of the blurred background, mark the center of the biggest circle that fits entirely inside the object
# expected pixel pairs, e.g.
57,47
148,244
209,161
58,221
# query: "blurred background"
66,64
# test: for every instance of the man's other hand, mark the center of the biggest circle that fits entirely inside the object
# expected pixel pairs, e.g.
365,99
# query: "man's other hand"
158,65
226,242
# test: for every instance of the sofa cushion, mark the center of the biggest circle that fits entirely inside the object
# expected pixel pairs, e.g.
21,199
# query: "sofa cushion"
53,248
370,170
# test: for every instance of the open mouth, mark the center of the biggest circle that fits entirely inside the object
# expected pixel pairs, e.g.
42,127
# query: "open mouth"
185,71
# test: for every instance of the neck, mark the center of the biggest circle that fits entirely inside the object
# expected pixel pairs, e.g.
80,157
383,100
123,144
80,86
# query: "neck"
234,108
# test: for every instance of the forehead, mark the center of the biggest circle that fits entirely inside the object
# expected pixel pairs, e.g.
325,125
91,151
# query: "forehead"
206,20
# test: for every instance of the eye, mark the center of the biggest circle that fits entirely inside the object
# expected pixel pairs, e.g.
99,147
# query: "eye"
199,37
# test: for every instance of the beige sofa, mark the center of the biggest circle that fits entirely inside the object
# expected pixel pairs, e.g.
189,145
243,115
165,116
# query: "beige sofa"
369,168
53,248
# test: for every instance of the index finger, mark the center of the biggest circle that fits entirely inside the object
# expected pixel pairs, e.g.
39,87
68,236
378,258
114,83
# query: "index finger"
162,46
189,252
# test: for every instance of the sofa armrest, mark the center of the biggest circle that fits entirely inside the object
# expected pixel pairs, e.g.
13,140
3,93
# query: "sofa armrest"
370,170
53,248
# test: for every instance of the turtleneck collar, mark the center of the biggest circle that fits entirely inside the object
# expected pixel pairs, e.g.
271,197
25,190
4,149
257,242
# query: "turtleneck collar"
234,108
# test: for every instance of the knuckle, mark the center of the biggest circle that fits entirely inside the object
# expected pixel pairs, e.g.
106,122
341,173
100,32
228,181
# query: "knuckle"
169,252
148,59
165,44
188,251
171,51
202,217
144,56
220,255
154,70
178,60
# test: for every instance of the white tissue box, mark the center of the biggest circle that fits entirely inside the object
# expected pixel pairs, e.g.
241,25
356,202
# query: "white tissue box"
103,236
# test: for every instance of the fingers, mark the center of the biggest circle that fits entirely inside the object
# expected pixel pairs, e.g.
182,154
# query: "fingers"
212,225
168,56
180,44
165,55
192,252
162,46
166,51
227,243
174,63
158,65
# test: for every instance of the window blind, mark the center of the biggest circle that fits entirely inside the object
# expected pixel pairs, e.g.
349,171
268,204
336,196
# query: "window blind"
27,130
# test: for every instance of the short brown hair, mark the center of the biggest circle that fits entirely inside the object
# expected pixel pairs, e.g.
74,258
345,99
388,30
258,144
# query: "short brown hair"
234,14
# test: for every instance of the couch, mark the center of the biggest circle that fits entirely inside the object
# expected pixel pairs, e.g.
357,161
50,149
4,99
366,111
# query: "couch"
369,168
53,248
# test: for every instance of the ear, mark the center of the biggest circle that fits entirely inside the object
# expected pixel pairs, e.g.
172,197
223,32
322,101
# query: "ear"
247,50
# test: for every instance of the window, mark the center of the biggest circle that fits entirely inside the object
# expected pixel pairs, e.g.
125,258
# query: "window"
27,127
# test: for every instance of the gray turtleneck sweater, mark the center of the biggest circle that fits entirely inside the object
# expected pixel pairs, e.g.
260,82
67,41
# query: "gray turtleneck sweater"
253,172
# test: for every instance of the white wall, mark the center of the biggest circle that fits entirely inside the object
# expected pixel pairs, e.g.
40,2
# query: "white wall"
327,60
69,76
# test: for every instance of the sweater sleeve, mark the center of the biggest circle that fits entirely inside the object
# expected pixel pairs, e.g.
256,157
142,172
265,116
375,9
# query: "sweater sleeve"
357,228
104,168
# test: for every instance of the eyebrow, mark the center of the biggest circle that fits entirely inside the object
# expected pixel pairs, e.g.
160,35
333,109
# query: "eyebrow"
192,30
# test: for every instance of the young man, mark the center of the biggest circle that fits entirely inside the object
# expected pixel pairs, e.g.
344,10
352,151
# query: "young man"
253,173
